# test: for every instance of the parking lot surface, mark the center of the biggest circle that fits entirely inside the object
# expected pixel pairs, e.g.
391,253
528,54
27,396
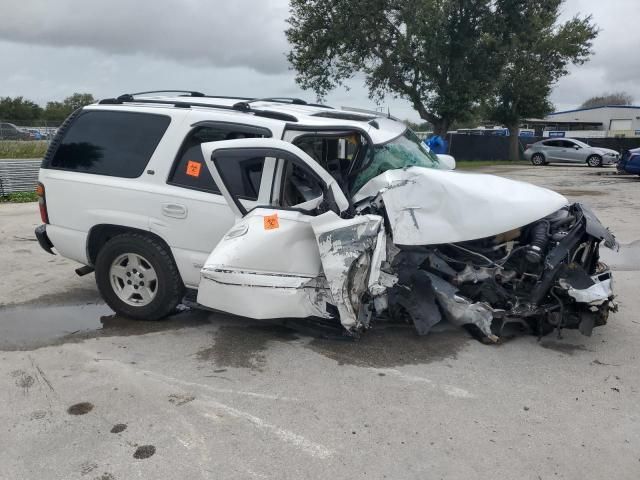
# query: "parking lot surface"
88,395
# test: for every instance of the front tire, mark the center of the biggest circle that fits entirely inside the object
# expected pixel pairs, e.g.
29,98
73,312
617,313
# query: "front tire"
138,278
538,159
594,161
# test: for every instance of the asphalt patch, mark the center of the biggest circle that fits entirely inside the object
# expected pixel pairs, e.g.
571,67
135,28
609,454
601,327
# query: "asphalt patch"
579,193
105,476
119,427
25,381
80,408
179,400
566,348
394,346
244,347
144,451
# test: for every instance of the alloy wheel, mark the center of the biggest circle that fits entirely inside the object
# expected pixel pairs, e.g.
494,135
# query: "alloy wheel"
133,279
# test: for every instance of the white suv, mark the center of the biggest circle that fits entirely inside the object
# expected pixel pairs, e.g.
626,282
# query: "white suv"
274,208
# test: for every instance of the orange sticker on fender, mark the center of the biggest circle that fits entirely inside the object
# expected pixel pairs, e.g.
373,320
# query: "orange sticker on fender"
193,168
271,222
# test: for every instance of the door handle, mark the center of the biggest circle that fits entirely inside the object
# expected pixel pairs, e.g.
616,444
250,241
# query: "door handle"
174,210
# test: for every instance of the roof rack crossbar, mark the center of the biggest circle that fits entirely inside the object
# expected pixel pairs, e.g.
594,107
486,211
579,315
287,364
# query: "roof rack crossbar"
292,100
228,97
190,93
238,107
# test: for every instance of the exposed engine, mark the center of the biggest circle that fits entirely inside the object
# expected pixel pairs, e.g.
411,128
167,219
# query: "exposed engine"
543,276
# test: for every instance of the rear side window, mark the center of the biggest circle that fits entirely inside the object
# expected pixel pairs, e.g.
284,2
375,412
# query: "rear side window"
118,144
190,170
552,143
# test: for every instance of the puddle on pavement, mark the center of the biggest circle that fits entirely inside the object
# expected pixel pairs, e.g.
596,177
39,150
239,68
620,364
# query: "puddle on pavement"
393,346
244,347
33,326
627,259
382,346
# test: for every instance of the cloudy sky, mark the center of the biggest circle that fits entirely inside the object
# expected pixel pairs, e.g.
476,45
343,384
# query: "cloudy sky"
50,49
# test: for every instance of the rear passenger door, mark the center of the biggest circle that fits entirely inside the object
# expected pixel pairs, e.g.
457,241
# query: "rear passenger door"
572,154
553,150
190,212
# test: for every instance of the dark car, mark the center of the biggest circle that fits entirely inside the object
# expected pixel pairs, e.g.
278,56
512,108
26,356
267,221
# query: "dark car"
630,162
8,131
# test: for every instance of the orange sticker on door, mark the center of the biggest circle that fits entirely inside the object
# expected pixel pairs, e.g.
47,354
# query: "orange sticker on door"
271,222
193,168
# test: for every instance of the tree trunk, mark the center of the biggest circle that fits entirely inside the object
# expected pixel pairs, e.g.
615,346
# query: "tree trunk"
514,143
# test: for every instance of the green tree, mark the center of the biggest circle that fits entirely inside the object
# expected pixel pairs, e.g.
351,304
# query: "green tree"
537,51
19,110
440,55
56,112
616,98
78,100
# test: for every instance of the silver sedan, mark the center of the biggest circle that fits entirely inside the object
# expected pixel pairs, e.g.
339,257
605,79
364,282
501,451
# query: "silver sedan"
568,150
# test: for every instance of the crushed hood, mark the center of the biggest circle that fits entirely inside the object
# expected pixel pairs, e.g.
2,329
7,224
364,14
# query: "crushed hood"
427,206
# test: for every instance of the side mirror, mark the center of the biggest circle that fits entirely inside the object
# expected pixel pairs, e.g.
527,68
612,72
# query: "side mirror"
577,147
448,161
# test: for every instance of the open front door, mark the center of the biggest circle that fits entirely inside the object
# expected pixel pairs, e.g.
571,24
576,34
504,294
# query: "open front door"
292,256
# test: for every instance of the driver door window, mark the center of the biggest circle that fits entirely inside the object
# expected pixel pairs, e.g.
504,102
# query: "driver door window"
297,187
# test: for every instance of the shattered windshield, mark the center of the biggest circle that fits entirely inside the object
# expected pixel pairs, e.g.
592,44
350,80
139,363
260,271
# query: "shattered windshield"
404,151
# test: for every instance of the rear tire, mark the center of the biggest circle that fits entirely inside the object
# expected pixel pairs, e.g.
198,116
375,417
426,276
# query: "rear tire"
538,159
138,278
594,161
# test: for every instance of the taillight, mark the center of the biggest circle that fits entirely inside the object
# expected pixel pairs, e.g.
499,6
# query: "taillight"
42,203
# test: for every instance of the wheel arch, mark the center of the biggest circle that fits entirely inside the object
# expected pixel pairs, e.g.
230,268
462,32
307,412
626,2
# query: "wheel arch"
100,234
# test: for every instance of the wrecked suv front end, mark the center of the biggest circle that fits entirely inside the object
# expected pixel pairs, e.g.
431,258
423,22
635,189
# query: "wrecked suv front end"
484,252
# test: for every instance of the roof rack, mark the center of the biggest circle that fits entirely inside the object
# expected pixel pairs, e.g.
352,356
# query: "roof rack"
289,100
292,100
242,107
189,93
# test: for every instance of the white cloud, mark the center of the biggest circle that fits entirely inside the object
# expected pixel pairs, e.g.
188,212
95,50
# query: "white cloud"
613,67
226,33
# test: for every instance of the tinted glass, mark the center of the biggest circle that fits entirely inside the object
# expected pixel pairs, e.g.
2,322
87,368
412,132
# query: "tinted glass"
552,143
118,144
299,185
190,170
242,176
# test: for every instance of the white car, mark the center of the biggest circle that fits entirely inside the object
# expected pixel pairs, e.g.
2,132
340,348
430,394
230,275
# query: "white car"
275,209
569,150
